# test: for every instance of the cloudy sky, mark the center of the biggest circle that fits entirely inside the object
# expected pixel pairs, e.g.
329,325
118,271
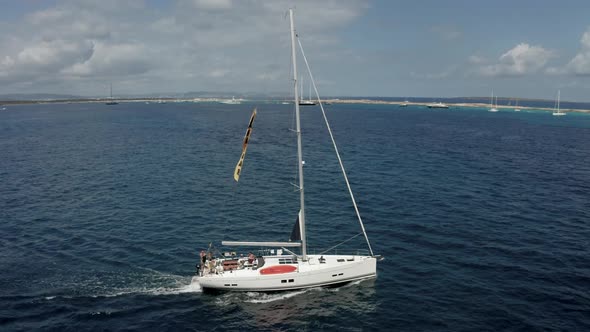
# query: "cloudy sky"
526,48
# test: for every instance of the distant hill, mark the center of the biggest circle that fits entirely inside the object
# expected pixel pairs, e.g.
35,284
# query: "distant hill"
36,96
185,95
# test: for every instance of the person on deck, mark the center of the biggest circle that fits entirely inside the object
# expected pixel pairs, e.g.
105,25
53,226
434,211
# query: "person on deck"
251,258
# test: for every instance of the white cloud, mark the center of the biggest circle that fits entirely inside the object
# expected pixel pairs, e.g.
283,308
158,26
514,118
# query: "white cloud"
521,60
580,64
46,16
167,25
477,60
213,4
111,60
176,46
218,73
45,58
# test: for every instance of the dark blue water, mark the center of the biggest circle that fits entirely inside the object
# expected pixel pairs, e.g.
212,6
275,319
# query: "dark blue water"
484,218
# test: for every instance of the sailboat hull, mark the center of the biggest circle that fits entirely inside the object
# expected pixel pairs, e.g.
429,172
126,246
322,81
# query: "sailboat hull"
317,271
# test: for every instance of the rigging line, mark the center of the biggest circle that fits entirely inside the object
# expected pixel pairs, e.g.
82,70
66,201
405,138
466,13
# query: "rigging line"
335,147
339,244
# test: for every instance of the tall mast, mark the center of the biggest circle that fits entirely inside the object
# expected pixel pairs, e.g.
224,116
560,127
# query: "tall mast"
301,79
299,152
558,96
111,90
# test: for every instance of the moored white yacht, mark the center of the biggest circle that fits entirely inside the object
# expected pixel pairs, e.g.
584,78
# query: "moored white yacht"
303,102
493,108
232,101
278,267
306,103
438,105
557,111
111,101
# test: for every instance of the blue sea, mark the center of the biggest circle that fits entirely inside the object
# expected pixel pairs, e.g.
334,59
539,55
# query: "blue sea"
483,218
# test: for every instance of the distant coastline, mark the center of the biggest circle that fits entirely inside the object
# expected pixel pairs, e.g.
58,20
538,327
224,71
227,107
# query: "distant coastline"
451,105
375,101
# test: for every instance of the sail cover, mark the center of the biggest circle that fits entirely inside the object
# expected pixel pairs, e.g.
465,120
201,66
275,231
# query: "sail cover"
296,232
238,169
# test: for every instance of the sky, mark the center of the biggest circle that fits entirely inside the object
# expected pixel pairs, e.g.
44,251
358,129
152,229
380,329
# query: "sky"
421,48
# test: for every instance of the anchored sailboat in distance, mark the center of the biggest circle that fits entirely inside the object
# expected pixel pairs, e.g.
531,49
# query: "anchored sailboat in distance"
516,109
111,101
279,268
557,111
303,102
232,101
438,105
492,106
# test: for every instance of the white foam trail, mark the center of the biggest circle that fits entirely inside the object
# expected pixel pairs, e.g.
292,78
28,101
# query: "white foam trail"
266,298
193,287
162,284
179,288
350,284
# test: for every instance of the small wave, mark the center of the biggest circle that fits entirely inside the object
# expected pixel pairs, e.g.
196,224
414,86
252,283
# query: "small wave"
256,297
101,313
347,285
266,298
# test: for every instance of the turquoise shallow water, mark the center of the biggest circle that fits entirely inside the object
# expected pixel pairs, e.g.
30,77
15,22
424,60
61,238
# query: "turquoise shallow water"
483,218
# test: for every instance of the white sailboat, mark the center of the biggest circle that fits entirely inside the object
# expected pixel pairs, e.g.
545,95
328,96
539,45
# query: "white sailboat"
492,106
111,101
232,101
516,109
557,111
437,105
278,268
303,102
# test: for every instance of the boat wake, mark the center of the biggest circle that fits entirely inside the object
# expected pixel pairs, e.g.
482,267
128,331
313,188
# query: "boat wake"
113,285
255,297
258,297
